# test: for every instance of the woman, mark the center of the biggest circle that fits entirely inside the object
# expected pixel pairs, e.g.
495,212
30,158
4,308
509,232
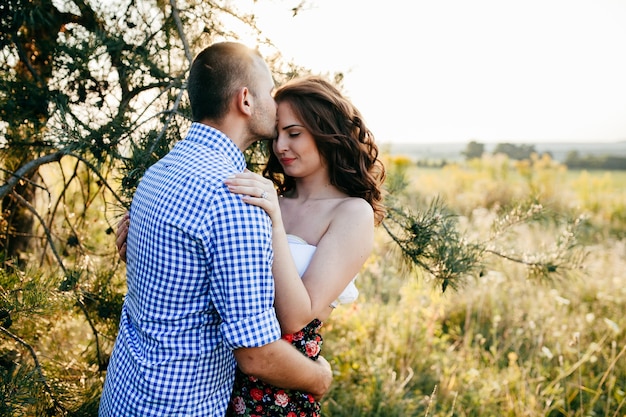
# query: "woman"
322,190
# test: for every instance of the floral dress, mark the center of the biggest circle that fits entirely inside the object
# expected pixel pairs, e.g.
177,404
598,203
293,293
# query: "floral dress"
252,397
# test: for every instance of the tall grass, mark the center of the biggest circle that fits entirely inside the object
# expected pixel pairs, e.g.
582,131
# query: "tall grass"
504,344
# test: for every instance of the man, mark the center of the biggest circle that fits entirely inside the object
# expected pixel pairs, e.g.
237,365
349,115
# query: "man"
200,288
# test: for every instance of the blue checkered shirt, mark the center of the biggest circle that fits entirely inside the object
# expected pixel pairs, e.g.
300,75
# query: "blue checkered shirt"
199,285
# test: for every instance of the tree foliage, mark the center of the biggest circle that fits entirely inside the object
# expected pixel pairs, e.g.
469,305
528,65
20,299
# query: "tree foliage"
91,94
99,83
574,160
515,151
474,150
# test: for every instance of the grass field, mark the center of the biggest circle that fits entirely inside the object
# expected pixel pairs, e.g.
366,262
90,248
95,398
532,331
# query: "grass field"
504,344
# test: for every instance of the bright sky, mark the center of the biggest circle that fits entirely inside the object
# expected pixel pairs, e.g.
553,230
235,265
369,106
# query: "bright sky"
459,70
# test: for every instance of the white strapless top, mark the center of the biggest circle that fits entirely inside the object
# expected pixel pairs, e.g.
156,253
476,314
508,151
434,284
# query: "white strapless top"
302,253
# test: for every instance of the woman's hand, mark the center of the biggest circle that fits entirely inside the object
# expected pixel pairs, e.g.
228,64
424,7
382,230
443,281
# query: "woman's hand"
121,234
256,190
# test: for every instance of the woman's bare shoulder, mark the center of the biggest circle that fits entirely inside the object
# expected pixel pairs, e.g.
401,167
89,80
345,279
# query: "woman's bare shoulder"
354,206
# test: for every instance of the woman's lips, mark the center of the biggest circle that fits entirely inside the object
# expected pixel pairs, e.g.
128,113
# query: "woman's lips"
287,161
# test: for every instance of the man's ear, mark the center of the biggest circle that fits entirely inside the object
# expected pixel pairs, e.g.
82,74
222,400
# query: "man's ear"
245,101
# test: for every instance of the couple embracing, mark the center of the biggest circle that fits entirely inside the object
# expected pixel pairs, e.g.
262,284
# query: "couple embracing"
231,274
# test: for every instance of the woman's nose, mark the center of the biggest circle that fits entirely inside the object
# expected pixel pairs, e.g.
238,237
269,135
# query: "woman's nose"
280,144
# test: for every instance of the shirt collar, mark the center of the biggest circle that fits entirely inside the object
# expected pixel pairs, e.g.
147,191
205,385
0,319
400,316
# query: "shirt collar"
215,139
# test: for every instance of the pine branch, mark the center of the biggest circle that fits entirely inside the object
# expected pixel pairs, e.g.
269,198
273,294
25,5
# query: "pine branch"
26,169
181,31
30,208
38,368
567,254
430,240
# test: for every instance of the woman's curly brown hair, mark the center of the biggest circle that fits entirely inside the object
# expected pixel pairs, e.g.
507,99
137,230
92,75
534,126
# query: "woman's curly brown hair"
342,138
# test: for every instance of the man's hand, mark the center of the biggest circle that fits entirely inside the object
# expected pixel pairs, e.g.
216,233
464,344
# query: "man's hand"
329,379
120,236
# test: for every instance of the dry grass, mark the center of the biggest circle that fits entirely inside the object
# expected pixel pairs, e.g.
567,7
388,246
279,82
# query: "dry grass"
504,344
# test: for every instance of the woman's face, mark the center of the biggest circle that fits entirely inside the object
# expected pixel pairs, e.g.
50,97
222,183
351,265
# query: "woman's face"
295,147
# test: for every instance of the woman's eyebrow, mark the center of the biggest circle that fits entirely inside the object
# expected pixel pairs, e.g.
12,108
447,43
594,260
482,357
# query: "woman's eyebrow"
291,125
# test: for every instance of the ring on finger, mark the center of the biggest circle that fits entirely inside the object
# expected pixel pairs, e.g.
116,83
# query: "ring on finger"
264,195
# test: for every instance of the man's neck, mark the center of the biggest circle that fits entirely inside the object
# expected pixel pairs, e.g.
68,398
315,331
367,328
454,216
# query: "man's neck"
236,132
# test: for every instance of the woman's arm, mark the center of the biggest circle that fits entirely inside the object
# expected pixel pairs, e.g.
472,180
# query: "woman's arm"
340,254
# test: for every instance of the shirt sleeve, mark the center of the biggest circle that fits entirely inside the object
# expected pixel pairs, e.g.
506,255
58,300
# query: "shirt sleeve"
242,285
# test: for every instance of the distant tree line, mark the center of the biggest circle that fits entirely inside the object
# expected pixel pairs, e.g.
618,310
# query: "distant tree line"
523,151
575,161
513,151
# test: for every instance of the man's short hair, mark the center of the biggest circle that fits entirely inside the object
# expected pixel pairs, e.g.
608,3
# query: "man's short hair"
215,74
